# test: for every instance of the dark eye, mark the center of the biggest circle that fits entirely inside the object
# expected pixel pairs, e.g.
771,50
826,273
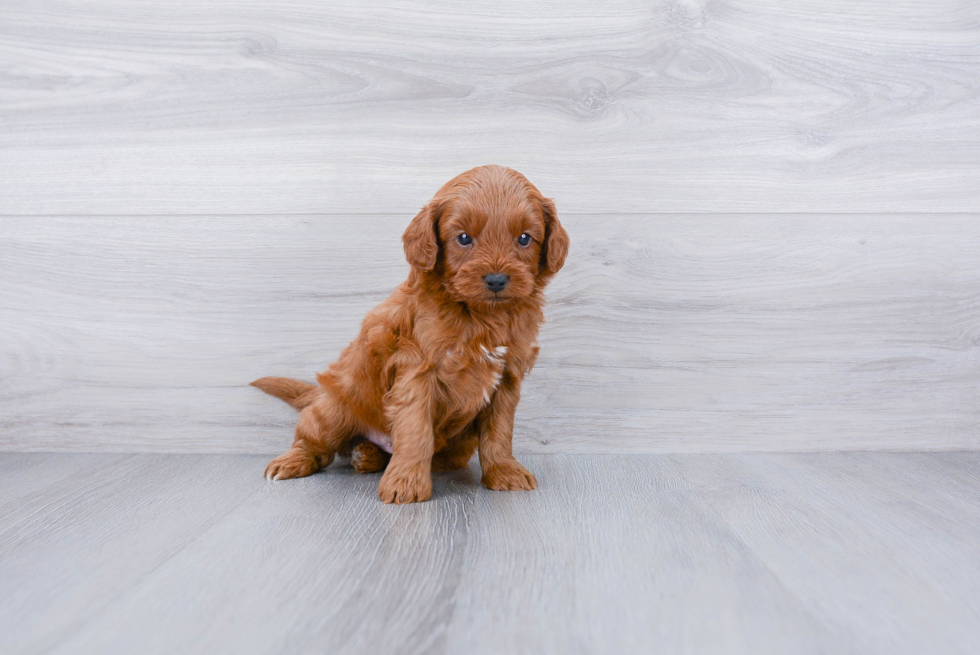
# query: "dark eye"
524,239
464,239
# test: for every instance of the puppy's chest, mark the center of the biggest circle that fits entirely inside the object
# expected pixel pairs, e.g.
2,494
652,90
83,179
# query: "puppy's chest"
471,374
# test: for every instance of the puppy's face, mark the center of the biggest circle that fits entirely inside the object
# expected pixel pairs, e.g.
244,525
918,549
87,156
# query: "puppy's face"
491,250
491,237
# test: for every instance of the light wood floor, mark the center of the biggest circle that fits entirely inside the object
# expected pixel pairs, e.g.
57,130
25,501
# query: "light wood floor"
751,553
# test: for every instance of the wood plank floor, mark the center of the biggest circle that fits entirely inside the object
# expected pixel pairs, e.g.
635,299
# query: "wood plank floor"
749,553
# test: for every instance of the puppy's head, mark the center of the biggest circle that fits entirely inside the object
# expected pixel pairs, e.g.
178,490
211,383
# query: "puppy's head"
490,236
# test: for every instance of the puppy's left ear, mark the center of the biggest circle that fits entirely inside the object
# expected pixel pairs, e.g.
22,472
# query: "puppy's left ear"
421,238
555,246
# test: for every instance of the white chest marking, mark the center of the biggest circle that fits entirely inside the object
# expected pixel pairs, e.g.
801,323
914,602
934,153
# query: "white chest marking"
493,387
496,356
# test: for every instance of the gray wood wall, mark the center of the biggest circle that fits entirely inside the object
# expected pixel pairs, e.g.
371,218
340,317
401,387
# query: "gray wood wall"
773,207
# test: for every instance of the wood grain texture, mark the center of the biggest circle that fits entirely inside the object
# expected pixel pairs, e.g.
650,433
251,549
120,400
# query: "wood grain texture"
299,106
750,553
665,333
73,547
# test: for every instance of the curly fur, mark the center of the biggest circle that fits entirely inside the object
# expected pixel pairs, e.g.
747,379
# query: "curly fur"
436,370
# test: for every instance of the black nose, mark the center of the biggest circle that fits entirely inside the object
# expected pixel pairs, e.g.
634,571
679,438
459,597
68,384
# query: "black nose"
496,281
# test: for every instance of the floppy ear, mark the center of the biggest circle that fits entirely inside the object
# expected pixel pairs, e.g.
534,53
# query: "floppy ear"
421,239
555,246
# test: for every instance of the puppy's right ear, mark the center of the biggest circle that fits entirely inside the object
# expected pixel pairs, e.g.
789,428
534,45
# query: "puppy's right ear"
421,238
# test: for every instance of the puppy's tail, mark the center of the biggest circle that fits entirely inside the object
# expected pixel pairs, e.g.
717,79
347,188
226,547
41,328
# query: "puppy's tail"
296,393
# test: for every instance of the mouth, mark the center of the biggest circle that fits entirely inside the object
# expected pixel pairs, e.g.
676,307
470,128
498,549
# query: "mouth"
490,302
482,297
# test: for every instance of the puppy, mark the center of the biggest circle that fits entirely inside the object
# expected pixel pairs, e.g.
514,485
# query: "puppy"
436,370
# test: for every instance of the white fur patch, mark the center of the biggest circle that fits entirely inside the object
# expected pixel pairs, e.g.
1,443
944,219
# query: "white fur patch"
497,356
493,387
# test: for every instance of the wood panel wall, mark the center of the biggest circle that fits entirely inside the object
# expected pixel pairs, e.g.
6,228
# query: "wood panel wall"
774,209
351,106
677,333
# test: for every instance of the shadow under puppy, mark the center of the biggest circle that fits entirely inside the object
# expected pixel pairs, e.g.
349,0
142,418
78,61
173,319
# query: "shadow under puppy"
436,370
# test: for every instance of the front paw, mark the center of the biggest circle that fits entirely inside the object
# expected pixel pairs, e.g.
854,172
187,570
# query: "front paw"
405,486
510,476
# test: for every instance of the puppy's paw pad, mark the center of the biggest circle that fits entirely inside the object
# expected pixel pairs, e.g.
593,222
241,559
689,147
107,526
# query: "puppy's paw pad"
509,477
291,464
401,488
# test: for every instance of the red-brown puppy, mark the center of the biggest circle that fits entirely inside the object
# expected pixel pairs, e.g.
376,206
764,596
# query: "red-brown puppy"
436,370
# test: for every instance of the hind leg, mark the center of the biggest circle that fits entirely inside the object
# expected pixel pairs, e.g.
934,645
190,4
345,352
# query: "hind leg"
366,457
324,428
297,462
